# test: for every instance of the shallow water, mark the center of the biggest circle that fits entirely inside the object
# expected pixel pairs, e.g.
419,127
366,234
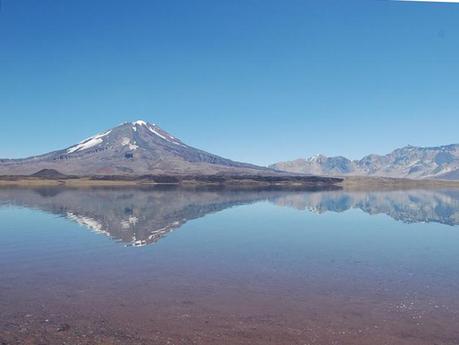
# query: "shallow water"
149,266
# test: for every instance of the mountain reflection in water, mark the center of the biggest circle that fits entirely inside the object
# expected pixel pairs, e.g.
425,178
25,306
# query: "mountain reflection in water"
139,217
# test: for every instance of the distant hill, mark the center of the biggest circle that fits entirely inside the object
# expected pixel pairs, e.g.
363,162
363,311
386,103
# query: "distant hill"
132,148
440,162
49,173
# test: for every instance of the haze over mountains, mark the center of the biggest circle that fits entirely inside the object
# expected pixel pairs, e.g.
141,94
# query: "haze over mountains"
412,162
132,148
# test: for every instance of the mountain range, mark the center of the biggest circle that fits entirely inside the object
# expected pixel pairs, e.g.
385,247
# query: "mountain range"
132,148
412,162
140,148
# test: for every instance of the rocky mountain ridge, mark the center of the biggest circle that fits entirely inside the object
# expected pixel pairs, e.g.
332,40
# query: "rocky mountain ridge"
413,162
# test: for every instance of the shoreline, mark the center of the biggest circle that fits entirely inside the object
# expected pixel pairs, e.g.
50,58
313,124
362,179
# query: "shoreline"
239,181
356,183
245,181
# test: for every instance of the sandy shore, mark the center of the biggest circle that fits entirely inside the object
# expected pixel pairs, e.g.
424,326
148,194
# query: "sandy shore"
384,183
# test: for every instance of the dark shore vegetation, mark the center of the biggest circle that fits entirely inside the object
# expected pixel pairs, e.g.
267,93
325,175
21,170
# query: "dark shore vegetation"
49,177
53,177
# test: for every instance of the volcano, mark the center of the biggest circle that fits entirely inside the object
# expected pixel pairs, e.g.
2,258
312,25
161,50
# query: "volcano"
132,148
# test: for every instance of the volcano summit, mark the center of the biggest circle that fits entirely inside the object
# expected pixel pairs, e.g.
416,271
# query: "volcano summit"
132,148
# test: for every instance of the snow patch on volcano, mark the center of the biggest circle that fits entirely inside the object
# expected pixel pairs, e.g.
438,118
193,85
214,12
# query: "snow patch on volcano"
88,143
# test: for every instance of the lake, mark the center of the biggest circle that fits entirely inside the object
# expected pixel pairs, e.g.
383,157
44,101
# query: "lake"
216,266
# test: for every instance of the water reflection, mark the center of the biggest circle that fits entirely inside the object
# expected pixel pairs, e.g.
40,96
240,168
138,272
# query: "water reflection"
409,206
143,216
133,216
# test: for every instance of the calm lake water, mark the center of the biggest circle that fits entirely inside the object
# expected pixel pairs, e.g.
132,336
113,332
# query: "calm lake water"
171,266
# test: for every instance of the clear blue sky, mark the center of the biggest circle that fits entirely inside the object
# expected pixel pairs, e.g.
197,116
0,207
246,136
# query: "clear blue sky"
257,81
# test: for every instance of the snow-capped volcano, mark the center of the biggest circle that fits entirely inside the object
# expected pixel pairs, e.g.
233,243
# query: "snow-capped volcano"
129,139
132,148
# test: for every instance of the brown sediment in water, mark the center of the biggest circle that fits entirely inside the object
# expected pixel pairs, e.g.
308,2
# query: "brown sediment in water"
179,312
